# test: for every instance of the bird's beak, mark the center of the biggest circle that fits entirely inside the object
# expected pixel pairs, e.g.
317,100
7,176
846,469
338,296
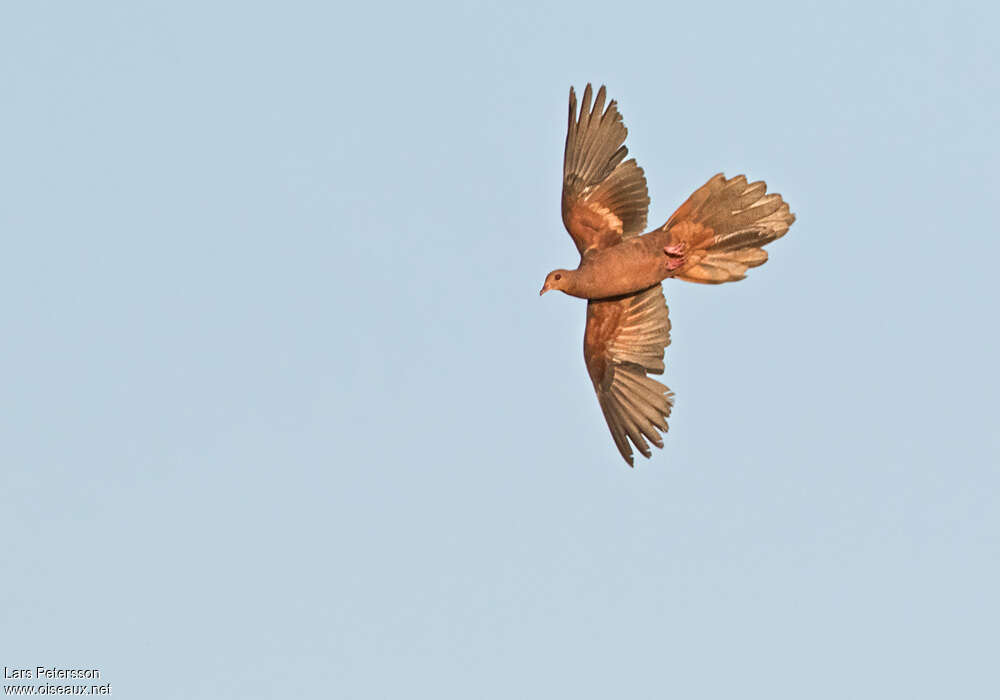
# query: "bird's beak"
545,288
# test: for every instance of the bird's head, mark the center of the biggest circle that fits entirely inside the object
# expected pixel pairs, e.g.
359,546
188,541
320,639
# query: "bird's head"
555,280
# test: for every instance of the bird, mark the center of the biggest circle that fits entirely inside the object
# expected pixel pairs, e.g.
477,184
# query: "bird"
715,236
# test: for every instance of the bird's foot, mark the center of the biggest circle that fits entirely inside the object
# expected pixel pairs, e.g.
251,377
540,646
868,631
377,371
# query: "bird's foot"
676,254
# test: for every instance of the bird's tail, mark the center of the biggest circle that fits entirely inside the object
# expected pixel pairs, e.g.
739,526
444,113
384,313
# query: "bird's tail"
721,229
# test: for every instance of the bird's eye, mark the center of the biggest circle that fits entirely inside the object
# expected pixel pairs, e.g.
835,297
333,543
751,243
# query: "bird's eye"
558,277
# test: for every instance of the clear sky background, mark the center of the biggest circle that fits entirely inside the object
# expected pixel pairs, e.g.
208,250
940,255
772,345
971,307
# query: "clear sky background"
284,416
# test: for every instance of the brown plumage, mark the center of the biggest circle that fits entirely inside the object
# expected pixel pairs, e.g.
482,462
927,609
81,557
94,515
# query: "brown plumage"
714,237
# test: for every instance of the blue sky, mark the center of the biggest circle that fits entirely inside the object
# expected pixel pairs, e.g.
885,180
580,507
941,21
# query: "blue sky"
285,416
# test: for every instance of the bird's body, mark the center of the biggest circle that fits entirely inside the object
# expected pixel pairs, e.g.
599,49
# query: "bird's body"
714,237
623,268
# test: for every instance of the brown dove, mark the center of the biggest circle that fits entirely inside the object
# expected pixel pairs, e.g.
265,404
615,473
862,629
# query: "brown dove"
714,237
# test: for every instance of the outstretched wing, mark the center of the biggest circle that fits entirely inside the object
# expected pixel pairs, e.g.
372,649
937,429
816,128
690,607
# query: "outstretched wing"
625,340
603,198
724,226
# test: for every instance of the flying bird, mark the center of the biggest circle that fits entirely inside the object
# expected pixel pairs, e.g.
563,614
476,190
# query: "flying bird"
714,237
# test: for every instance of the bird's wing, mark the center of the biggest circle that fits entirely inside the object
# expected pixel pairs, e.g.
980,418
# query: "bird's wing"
603,198
724,226
624,341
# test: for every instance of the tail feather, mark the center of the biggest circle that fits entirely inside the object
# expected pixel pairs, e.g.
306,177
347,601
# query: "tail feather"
724,226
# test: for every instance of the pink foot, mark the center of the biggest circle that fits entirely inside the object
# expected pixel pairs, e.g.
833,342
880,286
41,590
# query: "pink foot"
676,254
